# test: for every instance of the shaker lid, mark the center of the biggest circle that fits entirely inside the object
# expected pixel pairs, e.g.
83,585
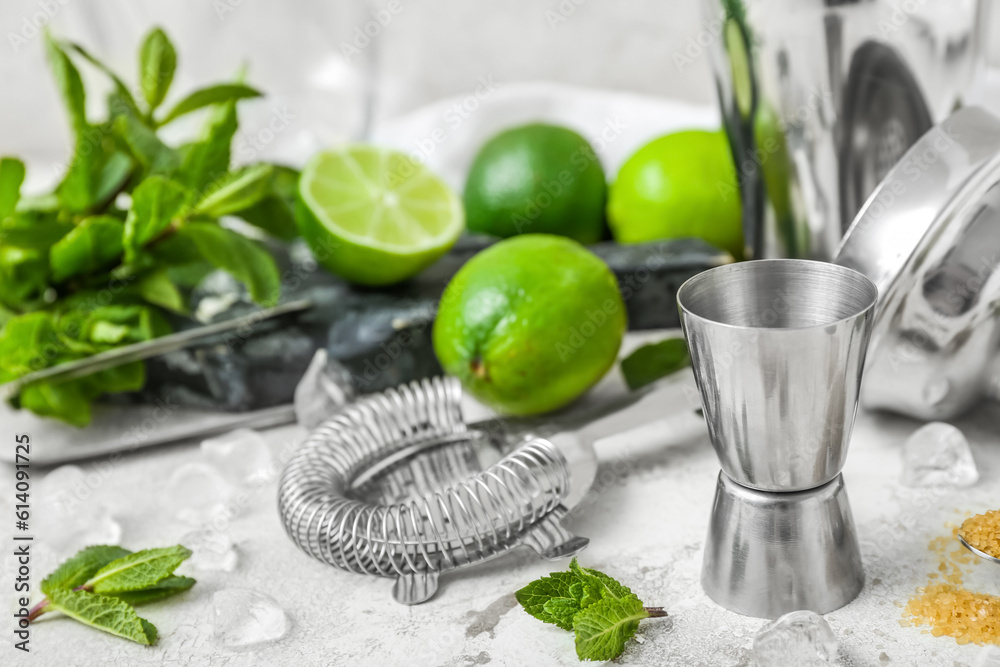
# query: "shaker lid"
929,238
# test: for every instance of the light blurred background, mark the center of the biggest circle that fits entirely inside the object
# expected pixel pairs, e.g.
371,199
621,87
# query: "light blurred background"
388,70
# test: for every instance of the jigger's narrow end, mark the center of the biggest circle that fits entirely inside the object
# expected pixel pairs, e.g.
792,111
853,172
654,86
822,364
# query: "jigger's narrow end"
771,553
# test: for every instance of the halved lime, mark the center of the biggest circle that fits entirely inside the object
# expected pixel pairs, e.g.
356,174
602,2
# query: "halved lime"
375,216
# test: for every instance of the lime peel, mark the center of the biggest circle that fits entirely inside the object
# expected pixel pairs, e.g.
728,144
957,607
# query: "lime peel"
375,216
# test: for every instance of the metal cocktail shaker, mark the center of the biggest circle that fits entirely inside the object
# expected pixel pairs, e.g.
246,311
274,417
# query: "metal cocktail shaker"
778,348
820,99
929,237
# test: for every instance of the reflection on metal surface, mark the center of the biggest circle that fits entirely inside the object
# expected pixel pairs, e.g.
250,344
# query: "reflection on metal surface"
929,237
884,114
771,553
777,349
397,484
821,98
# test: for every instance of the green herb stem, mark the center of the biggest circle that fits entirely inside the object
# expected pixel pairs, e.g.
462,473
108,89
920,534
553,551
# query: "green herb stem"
38,610
42,606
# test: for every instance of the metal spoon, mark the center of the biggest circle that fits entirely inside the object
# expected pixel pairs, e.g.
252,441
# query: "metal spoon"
976,551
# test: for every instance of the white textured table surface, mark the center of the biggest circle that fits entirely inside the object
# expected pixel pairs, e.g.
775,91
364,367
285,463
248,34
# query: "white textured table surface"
646,518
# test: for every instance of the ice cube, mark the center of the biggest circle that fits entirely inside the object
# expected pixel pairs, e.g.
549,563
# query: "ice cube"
64,487
988,657
325,386
245,617
212,550
242,456
66,517
797,639
197,493
65,533
937,454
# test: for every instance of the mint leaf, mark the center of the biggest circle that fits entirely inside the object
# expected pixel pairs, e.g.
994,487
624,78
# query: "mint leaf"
159,289
139,570
47,203
560,611
81,567
25,344
651,362
78,185
30,230
69,83
275,213
104,613
601,584
121,90
67,400
155,204
602,612
236,190
558,589
124,377
205,161
94,243
603,628
558,597
238,256
199,99
165,588
138,323
77,188
157,62
113,175
155,157
11,178
24,276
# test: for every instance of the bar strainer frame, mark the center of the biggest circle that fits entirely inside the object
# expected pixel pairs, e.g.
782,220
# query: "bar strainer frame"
392,486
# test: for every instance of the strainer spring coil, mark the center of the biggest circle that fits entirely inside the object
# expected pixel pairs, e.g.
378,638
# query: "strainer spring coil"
443,523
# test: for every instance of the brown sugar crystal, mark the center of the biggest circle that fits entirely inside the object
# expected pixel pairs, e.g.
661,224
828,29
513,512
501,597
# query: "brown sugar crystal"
983,532
947,607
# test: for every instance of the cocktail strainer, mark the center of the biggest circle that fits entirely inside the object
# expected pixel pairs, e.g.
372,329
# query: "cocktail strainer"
397,484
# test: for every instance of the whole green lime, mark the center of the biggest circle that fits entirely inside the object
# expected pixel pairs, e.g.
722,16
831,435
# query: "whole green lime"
536,178
682,184
530,323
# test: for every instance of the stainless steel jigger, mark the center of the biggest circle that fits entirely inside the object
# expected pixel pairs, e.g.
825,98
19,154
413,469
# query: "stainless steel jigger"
778,348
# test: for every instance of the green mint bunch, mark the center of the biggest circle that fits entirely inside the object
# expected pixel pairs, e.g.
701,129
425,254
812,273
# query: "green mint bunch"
102,260
100,584
602,613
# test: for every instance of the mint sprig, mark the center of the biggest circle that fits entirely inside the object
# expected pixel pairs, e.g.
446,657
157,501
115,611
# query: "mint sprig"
103,260
603,613
100,584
